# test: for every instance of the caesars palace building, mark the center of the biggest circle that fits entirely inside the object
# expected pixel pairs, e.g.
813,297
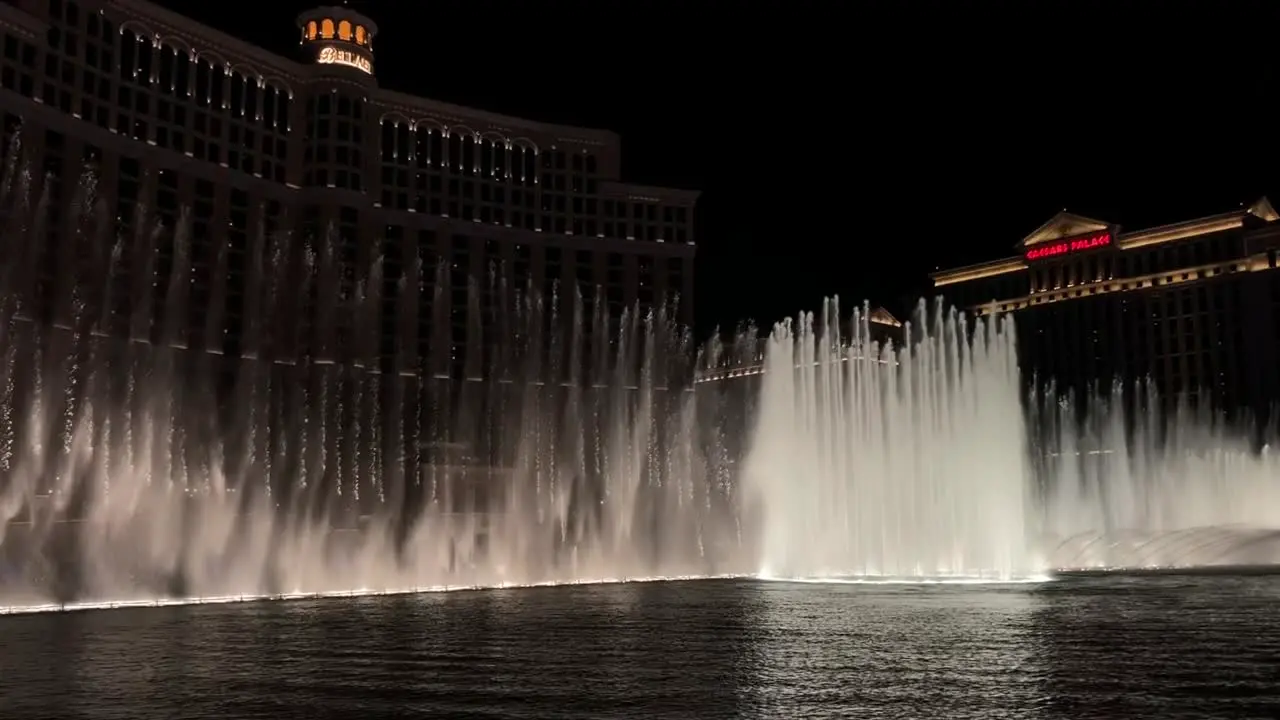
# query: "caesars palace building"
177,117
1193,305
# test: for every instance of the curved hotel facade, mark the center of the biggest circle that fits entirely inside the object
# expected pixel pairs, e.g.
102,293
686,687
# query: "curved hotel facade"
170,114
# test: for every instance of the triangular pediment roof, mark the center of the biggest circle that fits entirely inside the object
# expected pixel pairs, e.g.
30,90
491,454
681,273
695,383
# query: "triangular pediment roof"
880,316
1063,225
1263,209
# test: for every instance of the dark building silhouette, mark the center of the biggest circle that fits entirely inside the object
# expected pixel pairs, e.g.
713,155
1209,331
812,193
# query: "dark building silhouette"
1193,305
171,114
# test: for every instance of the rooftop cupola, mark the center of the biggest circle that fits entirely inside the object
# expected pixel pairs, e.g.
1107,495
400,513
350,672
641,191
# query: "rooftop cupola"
338,36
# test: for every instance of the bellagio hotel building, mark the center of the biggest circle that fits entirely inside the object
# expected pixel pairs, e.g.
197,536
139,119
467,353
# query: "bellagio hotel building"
171,114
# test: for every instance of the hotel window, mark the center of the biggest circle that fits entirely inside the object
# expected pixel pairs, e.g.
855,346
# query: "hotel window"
674,272
326,28
523,263
553,266
644,280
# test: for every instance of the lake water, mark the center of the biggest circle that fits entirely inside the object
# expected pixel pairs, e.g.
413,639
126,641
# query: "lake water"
1166,647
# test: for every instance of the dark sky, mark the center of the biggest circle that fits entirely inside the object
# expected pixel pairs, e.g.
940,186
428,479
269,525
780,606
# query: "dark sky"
853,147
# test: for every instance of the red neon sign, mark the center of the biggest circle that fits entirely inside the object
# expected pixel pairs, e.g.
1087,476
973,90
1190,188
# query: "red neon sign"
1066,247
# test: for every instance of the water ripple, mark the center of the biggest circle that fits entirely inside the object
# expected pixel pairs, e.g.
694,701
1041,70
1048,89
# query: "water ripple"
1095,648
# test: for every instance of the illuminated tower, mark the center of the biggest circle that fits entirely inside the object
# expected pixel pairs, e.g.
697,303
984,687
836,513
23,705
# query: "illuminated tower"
338,40
339,37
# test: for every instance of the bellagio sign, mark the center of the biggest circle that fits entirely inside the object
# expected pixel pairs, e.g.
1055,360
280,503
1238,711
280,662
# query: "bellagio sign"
330,55
1056,248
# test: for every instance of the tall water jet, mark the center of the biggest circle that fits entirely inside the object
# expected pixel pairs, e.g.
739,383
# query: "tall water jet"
871,460
1130,484
284,412
288,427
928,461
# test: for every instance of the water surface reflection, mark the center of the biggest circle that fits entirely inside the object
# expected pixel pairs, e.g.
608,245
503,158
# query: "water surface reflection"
1157,648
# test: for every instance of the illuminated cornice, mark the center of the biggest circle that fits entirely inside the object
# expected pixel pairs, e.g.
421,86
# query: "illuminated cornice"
1261,209
1182,230
977,272
1065,223
1253,263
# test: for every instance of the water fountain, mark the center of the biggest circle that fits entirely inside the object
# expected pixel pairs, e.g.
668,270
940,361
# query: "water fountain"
875,461
1147,489
145,455
141,455
926,461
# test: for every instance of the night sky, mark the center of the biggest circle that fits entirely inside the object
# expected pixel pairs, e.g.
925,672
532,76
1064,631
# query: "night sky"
851,151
